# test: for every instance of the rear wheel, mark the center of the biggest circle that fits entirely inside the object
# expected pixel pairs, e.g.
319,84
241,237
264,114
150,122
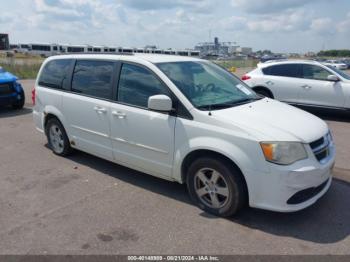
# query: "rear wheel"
216,187
57,137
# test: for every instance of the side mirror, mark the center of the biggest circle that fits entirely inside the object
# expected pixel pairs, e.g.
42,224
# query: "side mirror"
160,103
333,78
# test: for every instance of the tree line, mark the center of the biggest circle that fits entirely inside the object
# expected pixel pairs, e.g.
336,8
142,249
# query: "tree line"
335,53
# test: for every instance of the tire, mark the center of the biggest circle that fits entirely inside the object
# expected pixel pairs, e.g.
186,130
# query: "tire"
57,137
20,103
226,196
264,93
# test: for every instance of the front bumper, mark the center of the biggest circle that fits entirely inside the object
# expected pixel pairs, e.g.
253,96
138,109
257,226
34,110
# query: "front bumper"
10,99
13,97
295,187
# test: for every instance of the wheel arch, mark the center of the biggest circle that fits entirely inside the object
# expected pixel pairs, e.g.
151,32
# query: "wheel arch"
263,88
193,155
52,112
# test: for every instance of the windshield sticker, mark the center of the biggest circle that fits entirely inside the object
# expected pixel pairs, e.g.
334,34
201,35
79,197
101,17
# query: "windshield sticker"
244,89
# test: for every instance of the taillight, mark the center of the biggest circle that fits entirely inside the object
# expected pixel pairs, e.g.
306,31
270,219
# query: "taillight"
33,96
246,77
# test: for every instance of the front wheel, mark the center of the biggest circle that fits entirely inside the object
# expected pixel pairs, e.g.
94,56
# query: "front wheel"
216,186
57,137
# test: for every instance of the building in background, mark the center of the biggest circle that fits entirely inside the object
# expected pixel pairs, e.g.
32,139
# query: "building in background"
4,42
244,50
221,49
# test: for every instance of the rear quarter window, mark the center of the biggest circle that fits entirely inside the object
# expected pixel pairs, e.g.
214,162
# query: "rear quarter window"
285,70
56,74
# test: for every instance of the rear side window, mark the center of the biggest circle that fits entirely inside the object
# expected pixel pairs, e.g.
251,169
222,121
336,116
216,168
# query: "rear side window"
137,84
56,74
93,78
315,72
286,70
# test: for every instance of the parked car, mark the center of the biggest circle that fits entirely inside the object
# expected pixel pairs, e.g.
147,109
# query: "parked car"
347,62
306,83
186,120
11,92
336,64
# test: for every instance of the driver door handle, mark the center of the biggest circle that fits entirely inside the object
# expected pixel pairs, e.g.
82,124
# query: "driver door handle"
99,109
119,114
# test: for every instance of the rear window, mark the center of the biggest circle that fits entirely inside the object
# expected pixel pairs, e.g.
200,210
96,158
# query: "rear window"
93,78
55,74
285,70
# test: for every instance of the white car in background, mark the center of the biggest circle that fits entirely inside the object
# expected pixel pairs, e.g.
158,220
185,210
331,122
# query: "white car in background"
337,64
305,83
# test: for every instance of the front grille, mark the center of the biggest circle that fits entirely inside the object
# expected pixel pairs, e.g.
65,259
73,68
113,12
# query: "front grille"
6,88
306,194
317,143
320,148
322,155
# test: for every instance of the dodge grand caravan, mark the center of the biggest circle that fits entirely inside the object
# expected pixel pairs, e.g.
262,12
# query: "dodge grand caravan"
186,120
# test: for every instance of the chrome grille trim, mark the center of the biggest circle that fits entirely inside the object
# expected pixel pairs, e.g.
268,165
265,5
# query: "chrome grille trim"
321,151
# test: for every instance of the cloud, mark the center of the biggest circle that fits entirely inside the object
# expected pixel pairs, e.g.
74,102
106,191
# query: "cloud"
273,24
323,26
54,8
269,6
343,27
77,15
194,5
286,22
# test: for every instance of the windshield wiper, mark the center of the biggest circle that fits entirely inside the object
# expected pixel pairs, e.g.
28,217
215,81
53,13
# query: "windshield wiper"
246,100
228,104
214,106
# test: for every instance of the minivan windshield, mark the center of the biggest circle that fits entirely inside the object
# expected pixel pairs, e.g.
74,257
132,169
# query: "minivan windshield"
206,85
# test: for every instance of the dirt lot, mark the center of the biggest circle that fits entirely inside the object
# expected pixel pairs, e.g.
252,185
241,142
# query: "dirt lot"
85,205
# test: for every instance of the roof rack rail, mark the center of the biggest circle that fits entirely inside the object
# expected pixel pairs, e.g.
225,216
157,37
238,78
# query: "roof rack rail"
98,53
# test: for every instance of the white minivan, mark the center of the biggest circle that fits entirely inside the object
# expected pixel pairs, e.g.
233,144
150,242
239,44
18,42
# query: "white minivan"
186,120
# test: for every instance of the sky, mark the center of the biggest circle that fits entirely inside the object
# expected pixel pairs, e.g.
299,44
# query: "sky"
277,25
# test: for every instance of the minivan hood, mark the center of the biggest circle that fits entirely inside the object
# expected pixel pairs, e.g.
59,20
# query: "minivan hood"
270,120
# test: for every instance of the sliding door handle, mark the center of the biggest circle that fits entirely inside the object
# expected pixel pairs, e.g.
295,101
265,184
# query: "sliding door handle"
119,114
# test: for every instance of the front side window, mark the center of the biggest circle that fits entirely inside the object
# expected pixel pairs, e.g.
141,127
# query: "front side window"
206,85
93,78
285,70
315,72
137,84
55,74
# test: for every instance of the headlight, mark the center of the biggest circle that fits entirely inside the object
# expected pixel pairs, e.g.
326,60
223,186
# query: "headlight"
283,153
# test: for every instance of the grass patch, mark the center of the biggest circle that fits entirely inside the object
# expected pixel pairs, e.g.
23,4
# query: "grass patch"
22,71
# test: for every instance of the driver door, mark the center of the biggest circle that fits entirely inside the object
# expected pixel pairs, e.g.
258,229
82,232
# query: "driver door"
317,90
142,139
